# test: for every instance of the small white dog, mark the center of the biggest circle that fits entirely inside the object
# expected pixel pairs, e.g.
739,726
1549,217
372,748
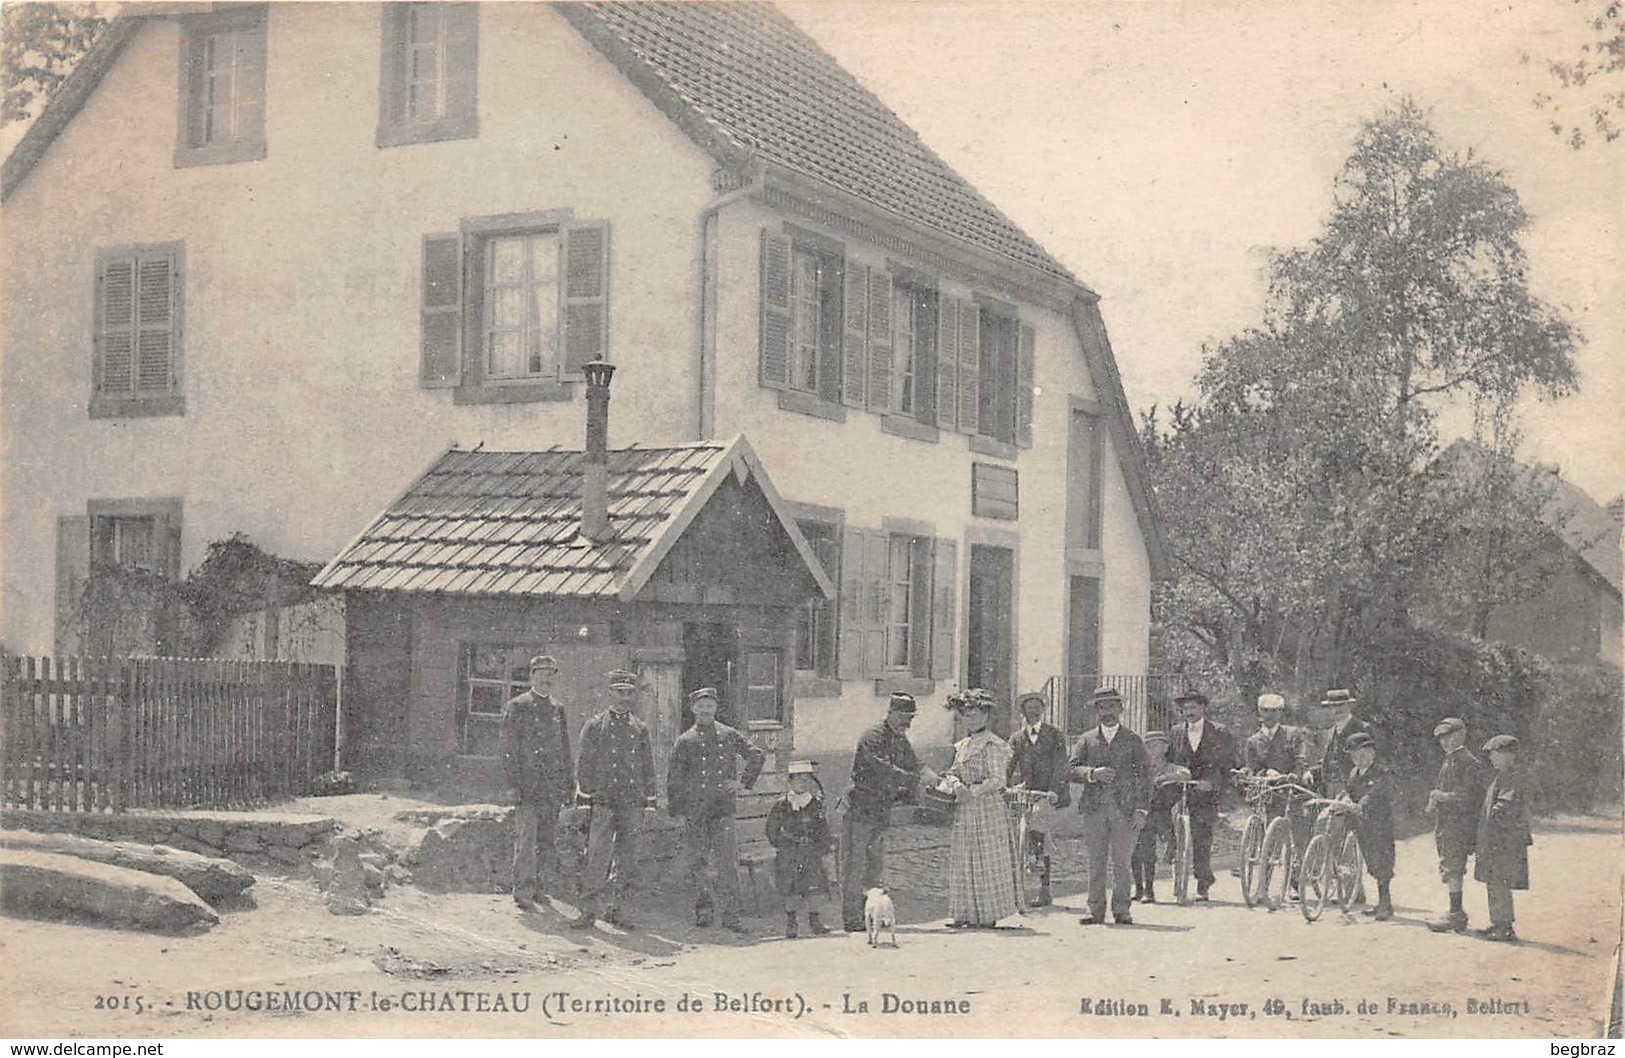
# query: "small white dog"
879,914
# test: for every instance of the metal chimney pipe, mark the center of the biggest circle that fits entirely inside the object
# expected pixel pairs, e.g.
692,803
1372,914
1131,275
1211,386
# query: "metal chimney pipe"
595,476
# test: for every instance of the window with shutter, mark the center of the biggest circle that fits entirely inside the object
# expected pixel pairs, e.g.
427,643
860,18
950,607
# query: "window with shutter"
970,367
880,340
1024,385
586,297
222,87
430,73
775,303
816,621
110,560
136,368
441,349
855,347
914,350
948,363
944,618
996,406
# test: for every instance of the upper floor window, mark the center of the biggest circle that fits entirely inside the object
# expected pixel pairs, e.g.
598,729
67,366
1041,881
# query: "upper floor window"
430,73
914,348
815,315
996,412
136,362
815,623
514,305
222,83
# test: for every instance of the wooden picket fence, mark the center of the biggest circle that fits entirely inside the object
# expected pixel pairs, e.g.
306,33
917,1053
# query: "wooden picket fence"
105,734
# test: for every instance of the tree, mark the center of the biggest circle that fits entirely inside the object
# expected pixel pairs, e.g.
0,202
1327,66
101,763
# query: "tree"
40,44
1594,83
1302,491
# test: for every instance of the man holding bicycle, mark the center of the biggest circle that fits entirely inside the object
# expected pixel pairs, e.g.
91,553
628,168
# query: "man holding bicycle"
1208,749
1271,752
1038,763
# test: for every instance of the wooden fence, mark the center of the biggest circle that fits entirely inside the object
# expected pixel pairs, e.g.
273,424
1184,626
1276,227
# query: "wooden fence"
105,734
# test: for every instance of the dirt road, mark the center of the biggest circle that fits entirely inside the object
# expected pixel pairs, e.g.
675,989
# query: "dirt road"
469,965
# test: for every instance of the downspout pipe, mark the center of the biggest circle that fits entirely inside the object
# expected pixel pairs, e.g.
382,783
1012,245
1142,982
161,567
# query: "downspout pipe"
732,190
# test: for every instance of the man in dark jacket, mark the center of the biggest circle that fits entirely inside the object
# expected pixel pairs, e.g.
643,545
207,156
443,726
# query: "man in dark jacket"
884,771
702,780
1372,789
1111,763
1455,801
536,760
615,779
1038,762
1208,749
1332,770
1272,751
1504,837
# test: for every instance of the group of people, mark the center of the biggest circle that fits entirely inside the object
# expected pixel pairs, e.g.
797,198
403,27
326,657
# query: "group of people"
1127,787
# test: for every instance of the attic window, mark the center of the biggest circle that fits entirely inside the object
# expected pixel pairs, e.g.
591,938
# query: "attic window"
222,106
430,73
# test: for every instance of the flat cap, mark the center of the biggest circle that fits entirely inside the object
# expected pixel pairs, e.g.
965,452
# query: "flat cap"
703,692
544,661
901,703
1449,724
622,678
1190,696
1271,701
1505,743
1103,694
1360,740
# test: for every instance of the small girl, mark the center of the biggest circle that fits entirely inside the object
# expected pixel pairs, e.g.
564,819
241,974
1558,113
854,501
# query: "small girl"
796,827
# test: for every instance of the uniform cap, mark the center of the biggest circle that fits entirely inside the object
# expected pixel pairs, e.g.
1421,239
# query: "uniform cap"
1360,740
803,767
1502,742
703,692
544,661
1271,701
1449,724
901,703
622,678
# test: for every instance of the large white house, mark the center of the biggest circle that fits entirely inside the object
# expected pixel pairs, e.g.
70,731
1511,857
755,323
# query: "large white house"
265,264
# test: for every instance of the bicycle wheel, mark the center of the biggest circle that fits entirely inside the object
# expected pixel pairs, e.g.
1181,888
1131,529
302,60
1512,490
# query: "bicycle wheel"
1275,872
1182,858
1252,859
1023,865
1315,877
1350,872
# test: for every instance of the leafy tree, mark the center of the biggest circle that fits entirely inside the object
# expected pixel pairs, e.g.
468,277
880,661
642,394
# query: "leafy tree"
1302,490
40,44
1594,83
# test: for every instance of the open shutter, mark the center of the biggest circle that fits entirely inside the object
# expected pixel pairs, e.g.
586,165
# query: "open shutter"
584,294
944,618
72,571
947,402
155,316
1024,386
395,65
775,330
877,576
440,354
880,340
855,336
194,84
461,27
854,607
250,86
116,333
970,367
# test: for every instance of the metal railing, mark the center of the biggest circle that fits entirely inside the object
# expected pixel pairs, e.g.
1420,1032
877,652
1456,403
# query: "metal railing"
1148,700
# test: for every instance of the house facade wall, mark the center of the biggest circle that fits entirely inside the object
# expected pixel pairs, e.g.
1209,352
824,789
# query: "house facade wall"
1574,619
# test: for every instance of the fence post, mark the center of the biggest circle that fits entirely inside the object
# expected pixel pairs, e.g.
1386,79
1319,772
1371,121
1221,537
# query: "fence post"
118,727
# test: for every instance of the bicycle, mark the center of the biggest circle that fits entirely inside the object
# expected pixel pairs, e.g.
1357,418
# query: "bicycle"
1257,791
1279,853
1332,863
1183,857
1028,862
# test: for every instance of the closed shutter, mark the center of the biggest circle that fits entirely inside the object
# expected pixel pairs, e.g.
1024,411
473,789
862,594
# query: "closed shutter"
853,605
775,329
970,367
115,369
1024,386
584,315
926,374
947,402
944,571
193,50
72,571
855,337
156,284
461,26
440,347
880,340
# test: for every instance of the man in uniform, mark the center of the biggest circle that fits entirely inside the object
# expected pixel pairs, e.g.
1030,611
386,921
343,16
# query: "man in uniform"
615,779
1271,751
536,758
1208,749
1038,762
702,780
884,771
1455,801
1331,772
1115,800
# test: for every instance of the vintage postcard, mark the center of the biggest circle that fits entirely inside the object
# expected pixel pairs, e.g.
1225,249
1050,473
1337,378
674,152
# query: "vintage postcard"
942,519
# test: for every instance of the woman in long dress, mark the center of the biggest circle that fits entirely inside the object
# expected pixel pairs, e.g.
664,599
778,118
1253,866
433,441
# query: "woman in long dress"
981,865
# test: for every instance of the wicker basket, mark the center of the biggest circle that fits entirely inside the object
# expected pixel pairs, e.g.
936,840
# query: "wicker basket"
935,808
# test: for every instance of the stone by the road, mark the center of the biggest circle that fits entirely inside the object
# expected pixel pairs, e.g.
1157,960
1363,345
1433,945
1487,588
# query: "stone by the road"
46,883
212,879
346,891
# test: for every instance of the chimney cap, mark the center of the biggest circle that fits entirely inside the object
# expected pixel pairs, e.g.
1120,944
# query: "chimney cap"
598,372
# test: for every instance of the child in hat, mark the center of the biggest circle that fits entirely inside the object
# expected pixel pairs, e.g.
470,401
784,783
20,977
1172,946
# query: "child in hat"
798,830
1160,823
1504,837
1372,790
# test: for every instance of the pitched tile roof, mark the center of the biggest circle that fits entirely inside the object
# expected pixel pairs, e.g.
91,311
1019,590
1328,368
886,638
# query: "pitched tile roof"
508,523
756,81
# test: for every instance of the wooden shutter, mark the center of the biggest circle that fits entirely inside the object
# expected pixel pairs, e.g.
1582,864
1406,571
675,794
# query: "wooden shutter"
880,340
584,294
72,571
156,283
853,606
855,336
193,47
970,367
831,337
461,26
877,574
396,59
947,402
944,618
166,543
250,83
440,348
115,346
1024,386
775,329
926,373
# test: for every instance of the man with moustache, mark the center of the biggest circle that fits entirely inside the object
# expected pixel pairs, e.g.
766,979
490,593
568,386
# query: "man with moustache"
1112,765
1208,749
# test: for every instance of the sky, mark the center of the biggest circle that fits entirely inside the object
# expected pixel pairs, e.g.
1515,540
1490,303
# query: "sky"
1161,150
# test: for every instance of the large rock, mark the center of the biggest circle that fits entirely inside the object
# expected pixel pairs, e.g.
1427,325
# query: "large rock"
215,880
52,884
469,852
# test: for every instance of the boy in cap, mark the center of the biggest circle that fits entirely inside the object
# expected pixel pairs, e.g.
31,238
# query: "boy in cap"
536,760
702,780
884,771
799,832
1372,790
1455,801
615,779
1165,778
1504,836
